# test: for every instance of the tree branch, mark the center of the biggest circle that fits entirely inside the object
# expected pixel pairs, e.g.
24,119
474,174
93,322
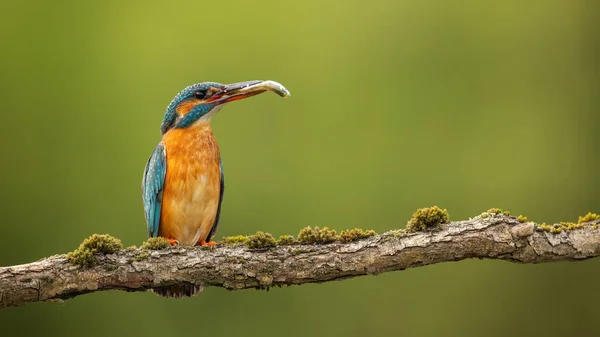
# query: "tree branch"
237,267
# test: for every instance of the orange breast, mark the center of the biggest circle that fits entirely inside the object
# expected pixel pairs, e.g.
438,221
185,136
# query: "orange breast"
192,184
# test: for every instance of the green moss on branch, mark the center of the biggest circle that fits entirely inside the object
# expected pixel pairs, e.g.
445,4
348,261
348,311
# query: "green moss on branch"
157,243
287,240
97,243
423,219
355,234
427,218
234,240
588,217
316,235
567,226
260,240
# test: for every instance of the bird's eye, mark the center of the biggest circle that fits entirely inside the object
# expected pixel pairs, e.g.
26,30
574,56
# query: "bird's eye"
200,94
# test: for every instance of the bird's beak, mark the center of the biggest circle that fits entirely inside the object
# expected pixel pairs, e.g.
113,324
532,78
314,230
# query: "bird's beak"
241,90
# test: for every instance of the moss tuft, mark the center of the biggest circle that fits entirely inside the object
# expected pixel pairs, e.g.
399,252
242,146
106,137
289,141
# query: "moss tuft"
588,217
399,233
296,251
82,257
570,225
427,218
545,227
235,240
97,243
309,235
497,210
260,240
287,240
559,227
355,234
156,243
142,256
522,218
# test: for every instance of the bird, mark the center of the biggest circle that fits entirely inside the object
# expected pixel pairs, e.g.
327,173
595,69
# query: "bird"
184,182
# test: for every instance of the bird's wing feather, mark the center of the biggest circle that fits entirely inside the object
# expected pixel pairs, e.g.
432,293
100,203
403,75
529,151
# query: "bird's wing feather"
152,188
213,231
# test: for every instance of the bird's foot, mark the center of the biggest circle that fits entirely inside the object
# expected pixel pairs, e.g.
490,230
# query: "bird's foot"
209,243
173,242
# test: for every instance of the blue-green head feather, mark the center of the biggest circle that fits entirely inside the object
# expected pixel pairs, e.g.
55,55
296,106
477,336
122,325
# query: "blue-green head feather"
193,98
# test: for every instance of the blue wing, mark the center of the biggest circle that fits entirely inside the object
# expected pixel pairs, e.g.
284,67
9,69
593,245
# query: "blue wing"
213,231
152,188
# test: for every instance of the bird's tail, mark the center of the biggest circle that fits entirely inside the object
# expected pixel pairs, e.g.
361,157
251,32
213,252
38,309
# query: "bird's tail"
178,290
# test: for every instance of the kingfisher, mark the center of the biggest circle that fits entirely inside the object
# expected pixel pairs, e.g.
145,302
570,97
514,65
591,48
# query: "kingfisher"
183,183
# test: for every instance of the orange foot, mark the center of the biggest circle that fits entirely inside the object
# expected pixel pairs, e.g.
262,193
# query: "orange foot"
209,243
173,242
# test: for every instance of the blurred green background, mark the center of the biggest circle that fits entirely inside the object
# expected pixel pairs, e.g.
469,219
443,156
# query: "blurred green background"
395,105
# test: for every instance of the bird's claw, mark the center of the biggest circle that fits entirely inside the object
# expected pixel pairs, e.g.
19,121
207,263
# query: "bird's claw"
208,244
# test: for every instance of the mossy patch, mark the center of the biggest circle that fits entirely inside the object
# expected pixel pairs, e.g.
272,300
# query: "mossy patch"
544,226
427,218
287,240
235,240
97,243
567,226
559,227
588,217
355,234
316,235
522,218
82,257
260,240
156,243
142,256
398,233
494,210
570,225
497,211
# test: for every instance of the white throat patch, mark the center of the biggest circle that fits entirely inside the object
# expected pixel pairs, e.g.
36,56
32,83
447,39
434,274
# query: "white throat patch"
207,117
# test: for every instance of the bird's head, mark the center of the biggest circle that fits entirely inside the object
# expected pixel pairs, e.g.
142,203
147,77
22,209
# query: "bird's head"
201,101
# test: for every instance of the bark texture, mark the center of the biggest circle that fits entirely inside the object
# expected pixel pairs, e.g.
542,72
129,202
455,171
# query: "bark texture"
237,267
